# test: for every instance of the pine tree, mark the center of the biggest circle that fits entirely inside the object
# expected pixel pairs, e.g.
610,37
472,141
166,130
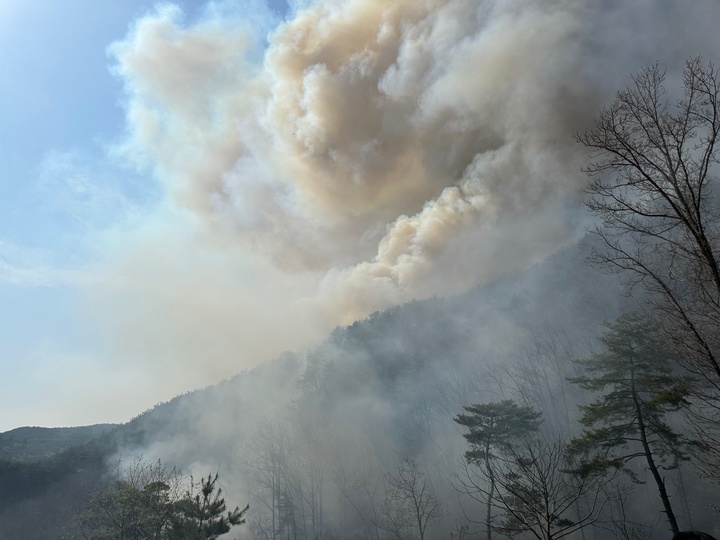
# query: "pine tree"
143,503
492,427
639,390
202,515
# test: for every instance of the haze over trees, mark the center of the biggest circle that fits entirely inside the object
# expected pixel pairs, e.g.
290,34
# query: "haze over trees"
528,483
509,411
147,502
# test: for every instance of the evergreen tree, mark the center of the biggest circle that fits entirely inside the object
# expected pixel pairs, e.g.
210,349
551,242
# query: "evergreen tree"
202,515
639,390
654,185
144,503
492,427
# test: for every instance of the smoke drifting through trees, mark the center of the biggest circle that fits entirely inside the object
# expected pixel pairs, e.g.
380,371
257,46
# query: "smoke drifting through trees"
460,168
313,441
321,433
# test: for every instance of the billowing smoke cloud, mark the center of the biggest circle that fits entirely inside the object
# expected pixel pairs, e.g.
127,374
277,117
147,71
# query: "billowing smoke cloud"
373,151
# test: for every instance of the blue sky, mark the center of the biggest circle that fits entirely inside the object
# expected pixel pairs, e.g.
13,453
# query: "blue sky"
61,191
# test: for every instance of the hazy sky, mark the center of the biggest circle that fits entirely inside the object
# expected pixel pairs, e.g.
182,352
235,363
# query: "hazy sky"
62,193
190,188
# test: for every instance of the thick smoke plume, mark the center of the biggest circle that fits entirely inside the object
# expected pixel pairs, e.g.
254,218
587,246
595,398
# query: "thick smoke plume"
367,152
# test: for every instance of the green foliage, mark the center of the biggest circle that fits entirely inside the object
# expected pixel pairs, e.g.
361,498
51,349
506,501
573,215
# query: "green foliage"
492,430
201,513
495,425
143,504
639,389
135,506
37,443
25,479
126,511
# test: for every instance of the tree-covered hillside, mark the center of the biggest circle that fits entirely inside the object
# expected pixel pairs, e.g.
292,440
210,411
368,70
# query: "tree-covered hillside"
37,443
332,441
397,377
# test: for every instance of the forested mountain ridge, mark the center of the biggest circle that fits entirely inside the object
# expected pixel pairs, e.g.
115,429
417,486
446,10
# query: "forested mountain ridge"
35,443
329,431
400,374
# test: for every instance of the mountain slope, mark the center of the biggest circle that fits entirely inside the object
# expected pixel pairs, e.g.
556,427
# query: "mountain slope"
36,443
386,386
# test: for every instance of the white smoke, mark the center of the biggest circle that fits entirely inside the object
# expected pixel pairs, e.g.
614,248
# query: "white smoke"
370,152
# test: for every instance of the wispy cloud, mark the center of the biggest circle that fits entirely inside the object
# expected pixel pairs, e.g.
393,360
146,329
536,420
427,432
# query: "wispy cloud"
92,191
27,267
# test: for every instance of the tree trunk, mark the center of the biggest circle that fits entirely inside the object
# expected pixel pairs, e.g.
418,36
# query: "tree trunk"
649,457
491,492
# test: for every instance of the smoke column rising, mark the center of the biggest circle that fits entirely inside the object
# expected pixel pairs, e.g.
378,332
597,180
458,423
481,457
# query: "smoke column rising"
368,153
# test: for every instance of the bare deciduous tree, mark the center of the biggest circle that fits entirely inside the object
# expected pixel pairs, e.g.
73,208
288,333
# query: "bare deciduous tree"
411,504
654,176
540,491
137,504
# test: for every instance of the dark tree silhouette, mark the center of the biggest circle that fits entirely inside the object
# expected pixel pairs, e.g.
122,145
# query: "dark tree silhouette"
492,427
655,179
201,513
638,390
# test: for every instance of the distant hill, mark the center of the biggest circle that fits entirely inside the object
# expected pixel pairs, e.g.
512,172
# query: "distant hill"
37,443
385,386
